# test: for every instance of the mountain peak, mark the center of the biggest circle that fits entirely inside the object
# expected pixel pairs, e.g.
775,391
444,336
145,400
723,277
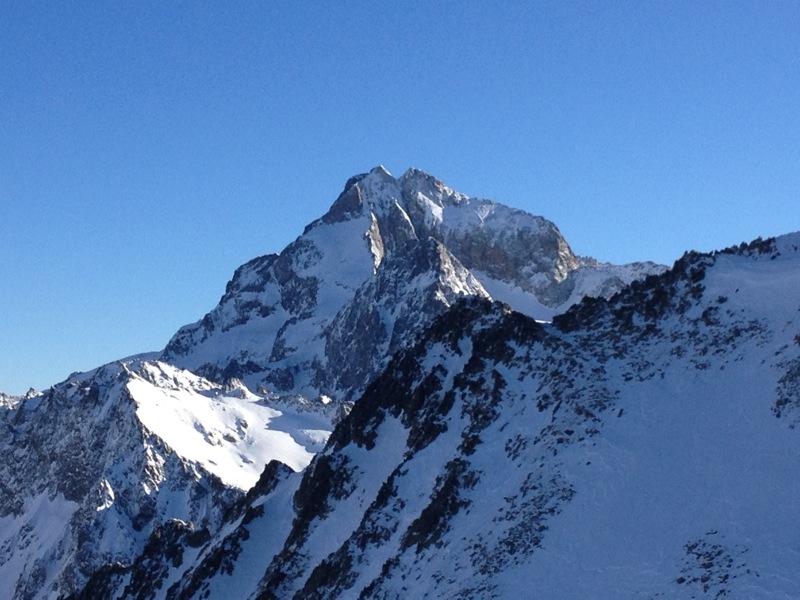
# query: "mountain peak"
356,271
381,171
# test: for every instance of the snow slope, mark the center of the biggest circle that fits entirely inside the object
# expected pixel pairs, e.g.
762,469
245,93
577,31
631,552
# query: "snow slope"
226,432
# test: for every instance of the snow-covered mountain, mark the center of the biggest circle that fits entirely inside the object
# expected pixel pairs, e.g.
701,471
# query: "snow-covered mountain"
639,447
371,274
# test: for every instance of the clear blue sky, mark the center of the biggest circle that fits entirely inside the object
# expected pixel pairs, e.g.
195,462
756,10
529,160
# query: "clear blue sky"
148,148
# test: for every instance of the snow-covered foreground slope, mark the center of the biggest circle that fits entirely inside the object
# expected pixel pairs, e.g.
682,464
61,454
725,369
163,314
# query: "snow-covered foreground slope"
642,447
94,466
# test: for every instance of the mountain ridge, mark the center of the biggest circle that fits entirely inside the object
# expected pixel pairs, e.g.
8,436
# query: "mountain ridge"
437,421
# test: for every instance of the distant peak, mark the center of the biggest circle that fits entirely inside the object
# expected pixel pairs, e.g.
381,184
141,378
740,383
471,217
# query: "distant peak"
413,172
379,176
351,201
416,181
380,170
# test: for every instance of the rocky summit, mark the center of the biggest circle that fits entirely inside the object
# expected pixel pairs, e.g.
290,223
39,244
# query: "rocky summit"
371,274
428,395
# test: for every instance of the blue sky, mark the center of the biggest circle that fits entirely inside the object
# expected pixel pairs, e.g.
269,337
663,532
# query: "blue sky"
148,149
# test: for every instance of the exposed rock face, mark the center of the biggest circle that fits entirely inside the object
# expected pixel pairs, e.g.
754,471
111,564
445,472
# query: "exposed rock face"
282,315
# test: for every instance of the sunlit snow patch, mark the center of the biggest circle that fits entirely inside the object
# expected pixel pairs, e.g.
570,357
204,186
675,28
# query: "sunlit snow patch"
231,433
